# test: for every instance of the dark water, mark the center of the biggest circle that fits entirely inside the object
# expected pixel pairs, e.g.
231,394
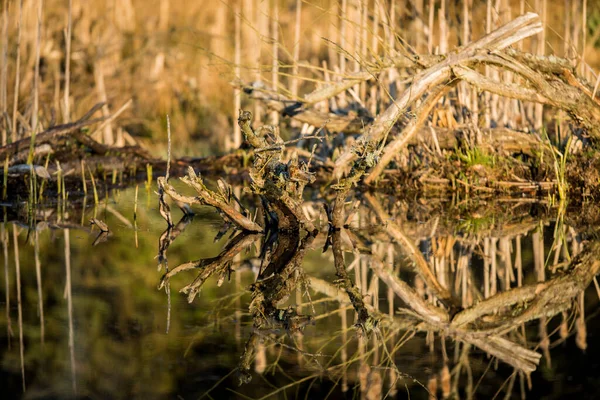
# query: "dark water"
85,318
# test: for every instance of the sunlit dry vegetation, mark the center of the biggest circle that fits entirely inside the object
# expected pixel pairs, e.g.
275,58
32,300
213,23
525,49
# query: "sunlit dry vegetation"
351,69
339,127
178,58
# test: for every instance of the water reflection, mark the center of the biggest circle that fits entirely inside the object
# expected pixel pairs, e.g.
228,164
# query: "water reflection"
422,298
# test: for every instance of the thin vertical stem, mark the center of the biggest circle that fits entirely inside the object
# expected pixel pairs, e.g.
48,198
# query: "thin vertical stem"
539,108
488,29
19,304
584,36
36,75
237,100
443,28
38,275
163,17
67,93
466,22
107,132
575,28
486,268
4,71
344,350
13,133
296,53
518,261
4,236
494,266
275,72
431,19
567,32
260,32
374,49
69,296
343,26
364,43
419,7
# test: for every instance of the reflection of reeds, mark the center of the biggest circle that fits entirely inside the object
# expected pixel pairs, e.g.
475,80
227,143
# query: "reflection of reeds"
38,276
19,302
456,304
4,237
69,297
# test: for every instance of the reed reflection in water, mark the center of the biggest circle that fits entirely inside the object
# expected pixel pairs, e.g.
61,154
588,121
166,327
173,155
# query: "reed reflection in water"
407,297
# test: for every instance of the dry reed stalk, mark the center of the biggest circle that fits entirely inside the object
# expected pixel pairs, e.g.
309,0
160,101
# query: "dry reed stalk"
163,17
342,35
463,89
296,50
374,50
253,36
487,96
107,132
364,30
575,29
36,75
4,73
388,39
443,28
275,49
343,21
67,92
584,36
466,21
262,31
430,26
13,133
541,50
567,30
420,8
237,99
392,72
356,18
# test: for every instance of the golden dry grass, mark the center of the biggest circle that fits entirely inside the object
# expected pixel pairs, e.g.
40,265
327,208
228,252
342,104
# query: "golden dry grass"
176,57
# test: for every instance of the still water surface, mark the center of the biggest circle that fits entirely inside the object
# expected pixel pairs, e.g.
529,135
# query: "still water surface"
96,317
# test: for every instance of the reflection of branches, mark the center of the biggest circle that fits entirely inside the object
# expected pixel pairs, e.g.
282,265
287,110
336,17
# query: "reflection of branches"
273,286
169,235
436,304
534,301
365,322
210,266
413,252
